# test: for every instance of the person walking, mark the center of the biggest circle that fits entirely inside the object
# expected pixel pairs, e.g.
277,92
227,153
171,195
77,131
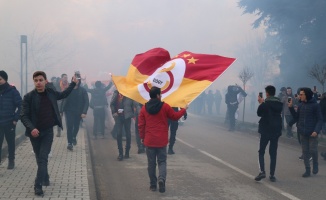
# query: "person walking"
98,103
122,109
174,125
270,129
309,121
10,107
39,114
153,130
75,108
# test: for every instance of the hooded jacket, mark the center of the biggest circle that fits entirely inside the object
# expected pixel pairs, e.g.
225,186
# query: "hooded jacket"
153,122
10,104
309,118
270,123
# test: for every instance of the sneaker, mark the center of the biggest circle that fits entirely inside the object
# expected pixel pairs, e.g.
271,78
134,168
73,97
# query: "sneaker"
70,147
260,176
74,141
272,178
301,157
170,151
38,190
11,164
161,186
315,170
306,174
120,157
152,188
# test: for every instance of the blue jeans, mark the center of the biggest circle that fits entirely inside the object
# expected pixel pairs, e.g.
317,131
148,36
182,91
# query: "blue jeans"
8,131
154,153
42,147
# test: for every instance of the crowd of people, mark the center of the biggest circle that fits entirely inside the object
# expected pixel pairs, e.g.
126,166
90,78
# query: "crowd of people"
44,107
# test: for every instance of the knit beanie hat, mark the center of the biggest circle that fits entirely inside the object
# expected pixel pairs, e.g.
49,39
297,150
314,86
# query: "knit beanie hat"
4,75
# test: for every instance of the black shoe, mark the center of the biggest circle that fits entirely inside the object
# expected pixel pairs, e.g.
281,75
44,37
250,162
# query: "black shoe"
11,164
46,182
306,174
161,186
74,141
120,157
152,188
141,150
315,170
170,151
301,157
38,190
260,176
272,178
70,147
127,156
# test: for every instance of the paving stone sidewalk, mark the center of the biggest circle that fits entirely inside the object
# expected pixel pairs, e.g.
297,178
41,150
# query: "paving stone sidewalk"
68,172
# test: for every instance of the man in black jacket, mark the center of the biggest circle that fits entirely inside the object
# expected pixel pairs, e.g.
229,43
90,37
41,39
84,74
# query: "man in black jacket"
270,129
39,114
9,115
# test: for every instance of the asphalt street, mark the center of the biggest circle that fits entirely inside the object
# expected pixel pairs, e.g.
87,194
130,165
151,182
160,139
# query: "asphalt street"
210,163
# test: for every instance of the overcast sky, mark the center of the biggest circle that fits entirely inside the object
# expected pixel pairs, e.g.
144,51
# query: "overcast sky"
101,36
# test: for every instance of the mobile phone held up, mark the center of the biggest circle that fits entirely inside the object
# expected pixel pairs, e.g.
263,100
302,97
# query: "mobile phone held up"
261,94
289,99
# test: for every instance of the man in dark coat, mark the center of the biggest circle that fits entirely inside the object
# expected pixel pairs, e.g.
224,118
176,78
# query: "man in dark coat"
270,129
309,121
9,115
39,114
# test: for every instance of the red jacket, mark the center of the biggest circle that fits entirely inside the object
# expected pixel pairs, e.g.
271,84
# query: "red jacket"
153,122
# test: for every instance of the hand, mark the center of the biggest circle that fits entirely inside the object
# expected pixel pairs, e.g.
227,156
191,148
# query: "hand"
260,100
83,115
115,115
314,134
74,79
187,106
14,123
142,140
35,132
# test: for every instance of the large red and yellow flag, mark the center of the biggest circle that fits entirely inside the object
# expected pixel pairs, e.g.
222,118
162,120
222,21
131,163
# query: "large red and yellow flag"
181,78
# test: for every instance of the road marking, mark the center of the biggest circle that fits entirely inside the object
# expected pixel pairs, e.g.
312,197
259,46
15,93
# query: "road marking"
288,195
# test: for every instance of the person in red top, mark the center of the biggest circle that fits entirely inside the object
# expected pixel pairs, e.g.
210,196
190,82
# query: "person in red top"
153,130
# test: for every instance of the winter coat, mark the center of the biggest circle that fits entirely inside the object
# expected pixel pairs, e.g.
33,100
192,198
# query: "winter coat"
308,117
31,106
322,104
128,105
270,123
10,105
80,104
98,96
153,122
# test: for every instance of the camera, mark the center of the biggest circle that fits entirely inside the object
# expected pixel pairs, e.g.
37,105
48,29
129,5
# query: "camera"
289,99
261,94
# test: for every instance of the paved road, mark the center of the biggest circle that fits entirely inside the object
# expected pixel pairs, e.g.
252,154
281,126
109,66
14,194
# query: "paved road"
210,163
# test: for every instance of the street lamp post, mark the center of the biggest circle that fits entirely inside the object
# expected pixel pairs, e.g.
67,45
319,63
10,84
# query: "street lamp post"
23,40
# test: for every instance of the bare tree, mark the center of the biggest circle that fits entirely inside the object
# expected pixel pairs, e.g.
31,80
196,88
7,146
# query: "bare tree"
245,75
319,73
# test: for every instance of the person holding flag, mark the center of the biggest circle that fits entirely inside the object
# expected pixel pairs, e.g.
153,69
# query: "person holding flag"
153,130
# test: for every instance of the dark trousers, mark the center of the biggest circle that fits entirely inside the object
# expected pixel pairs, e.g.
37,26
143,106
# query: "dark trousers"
121,122
173,132
8,132
273,144
139,144
42,147
99,120
309,149
153,154
231,114
288,119
72,123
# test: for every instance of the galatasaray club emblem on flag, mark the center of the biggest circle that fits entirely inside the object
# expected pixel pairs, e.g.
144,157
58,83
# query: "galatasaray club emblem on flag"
181,78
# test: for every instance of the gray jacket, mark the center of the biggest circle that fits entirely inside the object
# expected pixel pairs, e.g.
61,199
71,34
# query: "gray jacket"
128,105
